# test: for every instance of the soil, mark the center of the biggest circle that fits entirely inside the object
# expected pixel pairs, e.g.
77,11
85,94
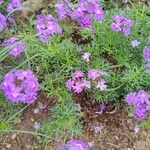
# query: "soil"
111,130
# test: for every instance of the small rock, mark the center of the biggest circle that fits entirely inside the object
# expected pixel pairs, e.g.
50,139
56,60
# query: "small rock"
128,149
32,119
8,145
36,110
18,121
78,107
136,129
13,136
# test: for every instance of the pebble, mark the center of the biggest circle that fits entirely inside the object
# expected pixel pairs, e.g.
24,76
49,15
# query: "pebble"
8,145
32,119
36,110
136,129
13,136
18,121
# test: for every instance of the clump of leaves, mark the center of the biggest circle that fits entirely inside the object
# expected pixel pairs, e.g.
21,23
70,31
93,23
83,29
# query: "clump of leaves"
64,120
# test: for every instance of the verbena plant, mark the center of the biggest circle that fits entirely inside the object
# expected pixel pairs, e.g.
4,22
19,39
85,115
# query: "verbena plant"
55,61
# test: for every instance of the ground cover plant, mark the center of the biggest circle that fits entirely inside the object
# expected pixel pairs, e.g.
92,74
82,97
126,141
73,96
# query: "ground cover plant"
74,60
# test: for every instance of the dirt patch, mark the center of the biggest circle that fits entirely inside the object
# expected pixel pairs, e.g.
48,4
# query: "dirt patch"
30,120
77,38
110,130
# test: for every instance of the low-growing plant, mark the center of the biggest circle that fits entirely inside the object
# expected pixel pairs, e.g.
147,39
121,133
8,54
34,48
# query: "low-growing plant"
81,49
64,120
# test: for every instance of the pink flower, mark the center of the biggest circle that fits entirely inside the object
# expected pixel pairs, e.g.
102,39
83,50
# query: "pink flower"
86,83
135,43
98,129
86,56
70,84
78,74
101,85
94,74
78,87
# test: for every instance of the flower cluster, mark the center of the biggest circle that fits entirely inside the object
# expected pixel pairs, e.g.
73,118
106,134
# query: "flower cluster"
1,1
74,145
122,24
15,48
141,102
20,86
78,82
62,8
146,55
135,43
2,22
47,27
86,56
96,75
14,4
84,13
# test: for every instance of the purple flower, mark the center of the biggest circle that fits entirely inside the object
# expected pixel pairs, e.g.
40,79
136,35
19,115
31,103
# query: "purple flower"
47,27
77,145
2,22
121,24
20,86
14,4
139,113
62,8
140,101
147,68
86,56
86,83
78,74
74,145
1,1
70,84
11,19
94,74
130,98
102,107
62,148
78,87
101,85
146,53
9,41
77,83
98,13
15,49
148,105
135,43
85,21
142,97
87,11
